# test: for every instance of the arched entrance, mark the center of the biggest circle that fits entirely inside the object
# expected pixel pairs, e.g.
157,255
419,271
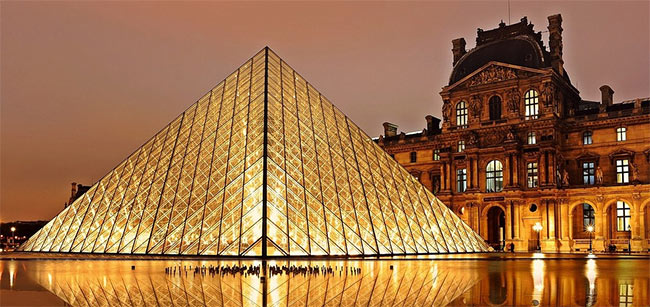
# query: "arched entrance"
496,227
582,217
617,225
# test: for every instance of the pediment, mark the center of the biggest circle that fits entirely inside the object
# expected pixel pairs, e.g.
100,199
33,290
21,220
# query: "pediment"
588,155
494,72
621,153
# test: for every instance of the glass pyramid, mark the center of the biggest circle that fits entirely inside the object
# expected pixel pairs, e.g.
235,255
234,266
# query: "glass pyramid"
261,165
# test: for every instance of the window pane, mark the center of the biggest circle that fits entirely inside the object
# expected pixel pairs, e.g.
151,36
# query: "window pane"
531,103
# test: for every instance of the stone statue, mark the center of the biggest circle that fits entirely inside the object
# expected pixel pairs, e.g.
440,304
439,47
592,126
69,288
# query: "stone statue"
473,139
635,172
599,175
510,136
446,105
436,185
514,97
475,106
548,93
565,178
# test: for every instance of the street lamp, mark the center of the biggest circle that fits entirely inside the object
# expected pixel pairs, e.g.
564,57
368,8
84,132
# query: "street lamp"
590,230
538,227
13,237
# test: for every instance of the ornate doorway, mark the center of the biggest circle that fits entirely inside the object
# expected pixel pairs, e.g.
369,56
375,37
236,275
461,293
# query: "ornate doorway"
496,224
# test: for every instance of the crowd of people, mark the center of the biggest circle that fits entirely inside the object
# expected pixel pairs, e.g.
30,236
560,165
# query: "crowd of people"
245,270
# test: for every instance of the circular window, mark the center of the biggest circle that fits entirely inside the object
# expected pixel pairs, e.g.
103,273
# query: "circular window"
533,208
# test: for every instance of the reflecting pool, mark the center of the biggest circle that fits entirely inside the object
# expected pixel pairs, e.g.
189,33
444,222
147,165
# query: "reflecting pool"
386,282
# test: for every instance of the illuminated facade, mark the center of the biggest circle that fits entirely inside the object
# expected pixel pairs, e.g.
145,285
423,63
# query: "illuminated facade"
519,147
262,165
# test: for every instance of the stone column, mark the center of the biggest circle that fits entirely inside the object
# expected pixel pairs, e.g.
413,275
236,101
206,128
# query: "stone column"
570,226
515,170
643,226
542,168
443,176
506,174
599,238
565,240
550,243
552,169
635,237
450,176
476,175
508,224
517,208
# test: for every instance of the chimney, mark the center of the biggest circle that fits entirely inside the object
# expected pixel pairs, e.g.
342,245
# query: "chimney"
555,42
607,95
74,190
458,48
433,124
390,129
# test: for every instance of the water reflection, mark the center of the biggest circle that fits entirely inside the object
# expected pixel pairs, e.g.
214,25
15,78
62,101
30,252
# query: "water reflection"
591,282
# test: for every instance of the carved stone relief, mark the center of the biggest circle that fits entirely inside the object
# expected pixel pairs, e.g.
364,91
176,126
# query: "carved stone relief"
493,74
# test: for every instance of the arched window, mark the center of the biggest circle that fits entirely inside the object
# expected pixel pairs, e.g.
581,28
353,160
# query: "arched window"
495,108
587,138
461,114
622,216
494,176
531,103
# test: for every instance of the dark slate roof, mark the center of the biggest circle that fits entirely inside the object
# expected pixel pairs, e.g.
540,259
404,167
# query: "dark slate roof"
516,44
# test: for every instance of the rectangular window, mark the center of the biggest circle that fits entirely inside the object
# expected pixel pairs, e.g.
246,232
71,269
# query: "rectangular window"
436,155
532,139
532,174
588,173
622,216
622,171
461,180
621,134
587,138
414,157
461,146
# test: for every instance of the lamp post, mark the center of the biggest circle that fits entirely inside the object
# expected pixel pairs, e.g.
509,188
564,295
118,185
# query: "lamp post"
590,230
13,237
538,227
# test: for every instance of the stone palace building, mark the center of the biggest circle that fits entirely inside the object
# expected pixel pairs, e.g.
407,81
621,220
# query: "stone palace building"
523,159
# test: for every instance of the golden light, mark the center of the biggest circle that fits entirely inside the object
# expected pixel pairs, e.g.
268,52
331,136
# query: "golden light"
537,227
590,228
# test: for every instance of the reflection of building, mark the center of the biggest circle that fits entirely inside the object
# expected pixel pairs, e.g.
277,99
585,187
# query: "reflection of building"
518,146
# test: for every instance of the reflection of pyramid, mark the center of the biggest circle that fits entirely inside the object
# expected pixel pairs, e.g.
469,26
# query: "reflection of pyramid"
411,283
263,164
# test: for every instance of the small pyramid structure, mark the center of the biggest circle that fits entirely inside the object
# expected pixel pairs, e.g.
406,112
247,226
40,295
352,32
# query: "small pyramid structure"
261,165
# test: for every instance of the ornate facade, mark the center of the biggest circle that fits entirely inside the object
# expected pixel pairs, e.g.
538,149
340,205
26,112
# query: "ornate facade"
519,147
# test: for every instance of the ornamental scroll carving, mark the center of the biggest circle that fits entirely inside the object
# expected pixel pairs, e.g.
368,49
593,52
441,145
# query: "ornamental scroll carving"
475,106
493,74
514,98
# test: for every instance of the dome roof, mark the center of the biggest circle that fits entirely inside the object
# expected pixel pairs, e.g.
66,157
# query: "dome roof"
520,50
